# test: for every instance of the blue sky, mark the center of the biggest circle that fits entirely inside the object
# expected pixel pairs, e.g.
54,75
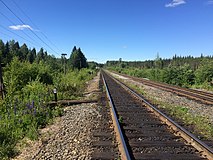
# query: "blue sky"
111,29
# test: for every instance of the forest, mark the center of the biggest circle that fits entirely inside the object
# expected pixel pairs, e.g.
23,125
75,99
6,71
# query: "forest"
28,78
191,72
27,82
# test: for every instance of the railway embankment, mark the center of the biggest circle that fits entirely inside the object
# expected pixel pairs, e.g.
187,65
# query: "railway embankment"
196,116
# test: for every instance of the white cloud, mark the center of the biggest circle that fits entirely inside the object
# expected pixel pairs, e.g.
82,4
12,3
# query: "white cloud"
210,2
124,47
175,3
20,27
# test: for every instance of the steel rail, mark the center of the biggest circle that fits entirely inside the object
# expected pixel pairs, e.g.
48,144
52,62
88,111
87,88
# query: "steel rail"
208,98
121,141
201,96
205,94
204,149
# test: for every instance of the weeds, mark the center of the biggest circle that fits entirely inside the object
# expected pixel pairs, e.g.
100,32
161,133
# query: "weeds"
120,119
199,123
25,109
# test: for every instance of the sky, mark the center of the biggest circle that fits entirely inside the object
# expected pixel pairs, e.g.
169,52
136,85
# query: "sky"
134,30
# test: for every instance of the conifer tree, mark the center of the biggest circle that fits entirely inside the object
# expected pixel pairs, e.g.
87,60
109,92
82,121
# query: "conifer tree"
77,59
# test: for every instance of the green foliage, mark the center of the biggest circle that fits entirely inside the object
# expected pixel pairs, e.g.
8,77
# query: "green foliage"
11,49
17,75
23,52
72,84
29,80
34,89
120,119
40,56
180,75
93,65
77,59
31,55
204,74
22,113
160,63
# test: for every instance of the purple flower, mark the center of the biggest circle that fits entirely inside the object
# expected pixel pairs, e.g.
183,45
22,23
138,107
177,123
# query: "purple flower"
33,104
28,106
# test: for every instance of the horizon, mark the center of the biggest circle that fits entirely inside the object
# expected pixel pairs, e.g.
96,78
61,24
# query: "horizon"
109,30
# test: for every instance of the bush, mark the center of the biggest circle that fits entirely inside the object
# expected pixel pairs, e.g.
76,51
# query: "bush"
17,75
72,85
204,73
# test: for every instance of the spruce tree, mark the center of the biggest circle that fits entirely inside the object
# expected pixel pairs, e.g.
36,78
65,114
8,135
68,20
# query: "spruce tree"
77,59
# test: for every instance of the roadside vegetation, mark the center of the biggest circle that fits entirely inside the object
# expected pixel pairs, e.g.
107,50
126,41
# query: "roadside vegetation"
187,72
29,79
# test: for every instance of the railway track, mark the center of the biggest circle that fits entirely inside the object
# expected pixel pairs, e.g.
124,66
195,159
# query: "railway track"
201,96
143,132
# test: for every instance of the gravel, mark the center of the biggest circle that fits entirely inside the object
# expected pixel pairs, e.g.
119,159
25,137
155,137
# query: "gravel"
195,108
73,140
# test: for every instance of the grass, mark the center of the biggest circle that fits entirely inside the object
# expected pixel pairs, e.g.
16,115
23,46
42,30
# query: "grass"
201,125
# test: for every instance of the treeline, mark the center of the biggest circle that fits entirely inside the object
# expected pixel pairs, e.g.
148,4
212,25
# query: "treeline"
181,71
160,63
12,49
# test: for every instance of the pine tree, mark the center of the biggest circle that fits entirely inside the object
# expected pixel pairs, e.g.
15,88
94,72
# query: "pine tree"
40,55
74,49
31,55
23,52
83,59
77,59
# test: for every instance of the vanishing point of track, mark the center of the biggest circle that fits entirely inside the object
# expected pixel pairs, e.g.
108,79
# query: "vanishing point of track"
143,132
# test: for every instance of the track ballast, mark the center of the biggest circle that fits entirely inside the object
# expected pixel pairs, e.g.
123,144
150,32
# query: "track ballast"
145,135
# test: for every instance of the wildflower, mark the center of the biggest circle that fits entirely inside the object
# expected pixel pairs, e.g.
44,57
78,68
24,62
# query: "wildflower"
29,106
33,104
